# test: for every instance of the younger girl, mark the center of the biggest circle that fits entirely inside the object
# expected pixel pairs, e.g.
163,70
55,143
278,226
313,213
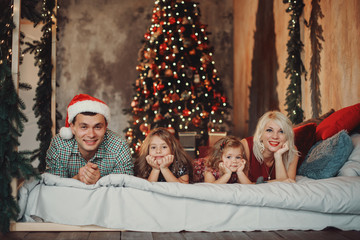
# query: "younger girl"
226,163
162,158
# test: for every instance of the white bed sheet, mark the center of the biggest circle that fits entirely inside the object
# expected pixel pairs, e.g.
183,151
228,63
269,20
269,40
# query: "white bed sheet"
129,203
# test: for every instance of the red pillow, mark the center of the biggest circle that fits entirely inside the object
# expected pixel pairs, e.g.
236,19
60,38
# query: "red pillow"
346,118
304,139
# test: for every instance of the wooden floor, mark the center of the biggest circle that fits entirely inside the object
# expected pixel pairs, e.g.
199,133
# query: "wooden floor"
328,234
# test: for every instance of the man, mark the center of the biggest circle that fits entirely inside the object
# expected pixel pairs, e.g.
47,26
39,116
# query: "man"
85,149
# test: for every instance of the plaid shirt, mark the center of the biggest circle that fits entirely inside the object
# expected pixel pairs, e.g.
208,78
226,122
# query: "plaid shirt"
113,156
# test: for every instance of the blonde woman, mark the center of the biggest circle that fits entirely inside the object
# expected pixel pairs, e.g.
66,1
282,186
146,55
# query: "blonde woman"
271,152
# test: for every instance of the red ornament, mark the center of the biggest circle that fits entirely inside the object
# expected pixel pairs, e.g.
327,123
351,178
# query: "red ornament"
172,20
163,46
223,99
134,103
158,117
171,130
139,68
144,128
204,114
186,112
163,65
214,108
168,72
166,99
147,36
217,95
155,106
175,97
196,121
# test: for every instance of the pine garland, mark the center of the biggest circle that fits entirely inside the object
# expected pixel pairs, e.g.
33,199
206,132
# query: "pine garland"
316,37
42,106
294,65
13,164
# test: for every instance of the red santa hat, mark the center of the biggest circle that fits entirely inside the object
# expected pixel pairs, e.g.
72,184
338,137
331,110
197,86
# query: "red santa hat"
79,104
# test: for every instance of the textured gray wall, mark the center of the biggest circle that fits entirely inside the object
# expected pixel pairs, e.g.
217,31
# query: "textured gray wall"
98,49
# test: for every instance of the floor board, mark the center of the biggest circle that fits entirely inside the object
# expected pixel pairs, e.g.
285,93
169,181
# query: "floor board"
128,235
105,235
327,234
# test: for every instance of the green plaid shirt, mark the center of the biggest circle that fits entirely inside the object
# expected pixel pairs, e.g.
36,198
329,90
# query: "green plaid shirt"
113,156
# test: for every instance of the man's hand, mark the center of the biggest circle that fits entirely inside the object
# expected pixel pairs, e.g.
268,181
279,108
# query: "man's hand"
89,174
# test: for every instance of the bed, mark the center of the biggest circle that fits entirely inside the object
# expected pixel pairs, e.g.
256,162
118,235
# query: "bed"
326,194
126,202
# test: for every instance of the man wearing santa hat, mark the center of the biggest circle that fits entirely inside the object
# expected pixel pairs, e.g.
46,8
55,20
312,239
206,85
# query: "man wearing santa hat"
85,149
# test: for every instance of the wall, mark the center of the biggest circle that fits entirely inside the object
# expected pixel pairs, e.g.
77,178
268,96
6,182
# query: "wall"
98,49
260,52
29,75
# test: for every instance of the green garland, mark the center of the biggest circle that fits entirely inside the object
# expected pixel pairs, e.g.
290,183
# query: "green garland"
294,66
13,164
42,106
316,37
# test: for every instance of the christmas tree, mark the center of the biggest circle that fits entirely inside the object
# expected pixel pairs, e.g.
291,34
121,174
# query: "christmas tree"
178,85
13,164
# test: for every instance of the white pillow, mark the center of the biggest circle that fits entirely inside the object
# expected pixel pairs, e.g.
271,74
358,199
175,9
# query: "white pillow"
352,166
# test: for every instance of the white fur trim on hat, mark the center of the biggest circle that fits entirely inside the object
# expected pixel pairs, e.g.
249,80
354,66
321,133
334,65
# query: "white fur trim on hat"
88,106
66,133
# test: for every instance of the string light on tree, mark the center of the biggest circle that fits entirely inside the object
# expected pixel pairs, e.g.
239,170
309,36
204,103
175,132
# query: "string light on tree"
179,76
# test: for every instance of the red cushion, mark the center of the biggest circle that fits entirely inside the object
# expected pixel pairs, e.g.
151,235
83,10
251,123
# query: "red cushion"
346,118
203,151
304,139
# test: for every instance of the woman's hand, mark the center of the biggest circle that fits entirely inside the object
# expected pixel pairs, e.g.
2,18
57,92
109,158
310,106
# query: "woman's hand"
282,150
152,162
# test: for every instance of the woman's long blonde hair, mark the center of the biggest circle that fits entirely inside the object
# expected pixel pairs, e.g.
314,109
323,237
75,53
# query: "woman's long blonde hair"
286,125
